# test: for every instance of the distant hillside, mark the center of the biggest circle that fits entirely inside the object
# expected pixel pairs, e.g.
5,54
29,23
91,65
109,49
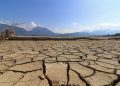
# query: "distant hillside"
76,34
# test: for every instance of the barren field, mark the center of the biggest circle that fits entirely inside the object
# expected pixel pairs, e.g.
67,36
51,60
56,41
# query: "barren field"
60,63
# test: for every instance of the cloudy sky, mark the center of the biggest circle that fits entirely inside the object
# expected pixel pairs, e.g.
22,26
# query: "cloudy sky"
63,15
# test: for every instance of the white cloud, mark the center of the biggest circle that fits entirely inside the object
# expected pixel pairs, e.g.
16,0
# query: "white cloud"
89,28
29,26
33,24
6,22
109,25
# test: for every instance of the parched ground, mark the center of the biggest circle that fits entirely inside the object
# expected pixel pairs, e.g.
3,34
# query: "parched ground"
60,63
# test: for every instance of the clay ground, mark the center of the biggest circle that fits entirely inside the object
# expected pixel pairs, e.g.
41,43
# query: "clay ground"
60,63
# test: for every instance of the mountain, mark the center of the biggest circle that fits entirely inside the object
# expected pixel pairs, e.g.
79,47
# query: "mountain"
2,27
22,31
76,34
104,32
36,31
40,31
19,31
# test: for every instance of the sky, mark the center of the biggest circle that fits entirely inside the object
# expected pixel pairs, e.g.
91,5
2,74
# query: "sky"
63,16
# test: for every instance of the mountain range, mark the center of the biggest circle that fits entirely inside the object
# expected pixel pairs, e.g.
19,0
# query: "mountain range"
36,31
40,31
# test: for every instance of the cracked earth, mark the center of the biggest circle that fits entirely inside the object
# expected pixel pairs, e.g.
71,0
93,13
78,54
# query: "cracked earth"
60,63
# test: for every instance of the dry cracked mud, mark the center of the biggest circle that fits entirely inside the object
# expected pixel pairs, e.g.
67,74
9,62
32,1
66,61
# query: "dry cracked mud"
60,63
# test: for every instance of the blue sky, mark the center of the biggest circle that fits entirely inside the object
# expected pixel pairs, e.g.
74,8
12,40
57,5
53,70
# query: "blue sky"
63,15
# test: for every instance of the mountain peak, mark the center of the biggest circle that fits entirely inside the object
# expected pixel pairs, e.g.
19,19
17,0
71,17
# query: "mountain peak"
37,27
